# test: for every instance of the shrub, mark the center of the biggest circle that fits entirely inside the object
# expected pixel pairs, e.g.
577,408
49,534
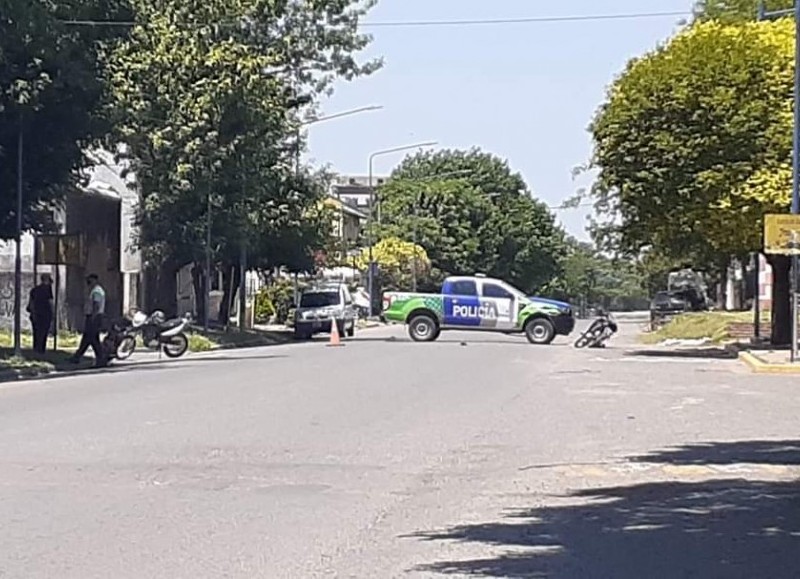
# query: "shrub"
276,300
265,309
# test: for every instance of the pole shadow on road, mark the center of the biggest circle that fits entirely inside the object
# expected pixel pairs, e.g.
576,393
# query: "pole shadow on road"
711,529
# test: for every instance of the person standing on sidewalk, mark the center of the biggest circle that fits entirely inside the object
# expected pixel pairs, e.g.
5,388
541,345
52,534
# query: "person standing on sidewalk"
40,308
95,309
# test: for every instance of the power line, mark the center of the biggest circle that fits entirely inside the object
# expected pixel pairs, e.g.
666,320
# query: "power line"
528,20
443,23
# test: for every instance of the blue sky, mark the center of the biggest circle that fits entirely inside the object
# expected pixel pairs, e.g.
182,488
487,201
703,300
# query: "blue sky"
525,92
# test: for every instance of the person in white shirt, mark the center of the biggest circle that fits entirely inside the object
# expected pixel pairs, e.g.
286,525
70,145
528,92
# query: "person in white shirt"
94,310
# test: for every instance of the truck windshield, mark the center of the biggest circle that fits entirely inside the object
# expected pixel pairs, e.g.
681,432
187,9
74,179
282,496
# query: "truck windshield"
319,299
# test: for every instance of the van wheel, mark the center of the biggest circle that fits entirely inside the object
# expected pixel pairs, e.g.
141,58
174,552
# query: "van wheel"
540,331
351,331
423,328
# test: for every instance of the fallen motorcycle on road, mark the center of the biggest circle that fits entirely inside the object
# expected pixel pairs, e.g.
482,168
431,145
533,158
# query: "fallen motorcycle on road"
599,332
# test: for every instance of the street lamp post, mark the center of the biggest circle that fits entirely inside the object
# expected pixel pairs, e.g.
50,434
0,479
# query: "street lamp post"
331,117
207,282
18,251
763,14
372,157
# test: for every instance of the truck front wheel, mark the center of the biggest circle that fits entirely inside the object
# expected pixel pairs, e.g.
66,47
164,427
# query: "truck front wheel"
423,328
540,331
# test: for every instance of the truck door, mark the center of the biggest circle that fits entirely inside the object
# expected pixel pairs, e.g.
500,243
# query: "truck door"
461,304
495,297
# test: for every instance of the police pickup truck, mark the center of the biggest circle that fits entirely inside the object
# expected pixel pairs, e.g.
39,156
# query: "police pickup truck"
478,303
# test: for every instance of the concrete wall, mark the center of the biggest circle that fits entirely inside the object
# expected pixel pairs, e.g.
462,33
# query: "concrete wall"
29,274
109,176
7,257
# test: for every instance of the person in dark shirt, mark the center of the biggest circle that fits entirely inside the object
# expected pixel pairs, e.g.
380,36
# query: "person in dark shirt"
40,308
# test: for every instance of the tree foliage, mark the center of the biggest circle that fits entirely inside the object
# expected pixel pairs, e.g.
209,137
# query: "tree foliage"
589,277
472,214
694,141
51,85
398,262
736,11
207,98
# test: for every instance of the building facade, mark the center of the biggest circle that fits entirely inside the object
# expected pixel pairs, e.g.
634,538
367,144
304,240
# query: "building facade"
102,214
355,190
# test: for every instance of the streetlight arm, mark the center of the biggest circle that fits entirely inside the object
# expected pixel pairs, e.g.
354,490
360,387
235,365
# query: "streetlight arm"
331,117
399,149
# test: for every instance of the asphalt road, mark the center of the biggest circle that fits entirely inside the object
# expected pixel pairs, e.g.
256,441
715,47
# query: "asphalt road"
478,455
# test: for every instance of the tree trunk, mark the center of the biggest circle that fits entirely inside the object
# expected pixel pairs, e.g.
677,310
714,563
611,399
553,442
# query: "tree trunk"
162,289
781,300
230,279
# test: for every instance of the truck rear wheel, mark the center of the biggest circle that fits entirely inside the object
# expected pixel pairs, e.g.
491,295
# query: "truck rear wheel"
540,331
423,328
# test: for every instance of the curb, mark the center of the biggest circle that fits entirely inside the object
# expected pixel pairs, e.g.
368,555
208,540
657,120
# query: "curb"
247,345
759,366
23,375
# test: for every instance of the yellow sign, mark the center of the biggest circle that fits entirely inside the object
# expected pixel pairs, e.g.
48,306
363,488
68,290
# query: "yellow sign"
782,234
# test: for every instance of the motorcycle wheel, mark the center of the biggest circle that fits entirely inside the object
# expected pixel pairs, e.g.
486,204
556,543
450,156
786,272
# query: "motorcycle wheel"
177,346
125,348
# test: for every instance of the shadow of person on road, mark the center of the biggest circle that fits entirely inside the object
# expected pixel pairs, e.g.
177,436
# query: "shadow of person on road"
728,529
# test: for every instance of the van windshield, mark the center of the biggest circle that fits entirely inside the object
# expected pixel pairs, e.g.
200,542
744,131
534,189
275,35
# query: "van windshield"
319,299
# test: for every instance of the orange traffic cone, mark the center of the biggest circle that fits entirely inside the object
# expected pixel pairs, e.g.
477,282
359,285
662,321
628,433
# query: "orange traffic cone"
335,340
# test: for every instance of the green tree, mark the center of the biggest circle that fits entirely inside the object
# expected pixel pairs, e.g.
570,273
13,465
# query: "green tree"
51,85
735,11
207,108
693,147
444,216
472,214
590,277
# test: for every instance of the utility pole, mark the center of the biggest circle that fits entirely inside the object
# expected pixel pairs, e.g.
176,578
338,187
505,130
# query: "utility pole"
243,259
763,14
416,218
207,284
243,288
18,253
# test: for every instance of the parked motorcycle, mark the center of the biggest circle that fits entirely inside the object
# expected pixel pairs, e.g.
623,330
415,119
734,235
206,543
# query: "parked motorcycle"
156,333
599,332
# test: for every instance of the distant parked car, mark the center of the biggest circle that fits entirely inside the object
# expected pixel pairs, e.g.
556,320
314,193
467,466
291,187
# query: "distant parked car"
666,305
321,307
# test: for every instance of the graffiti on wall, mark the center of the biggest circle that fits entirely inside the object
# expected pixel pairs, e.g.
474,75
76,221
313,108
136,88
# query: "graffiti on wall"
7,299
